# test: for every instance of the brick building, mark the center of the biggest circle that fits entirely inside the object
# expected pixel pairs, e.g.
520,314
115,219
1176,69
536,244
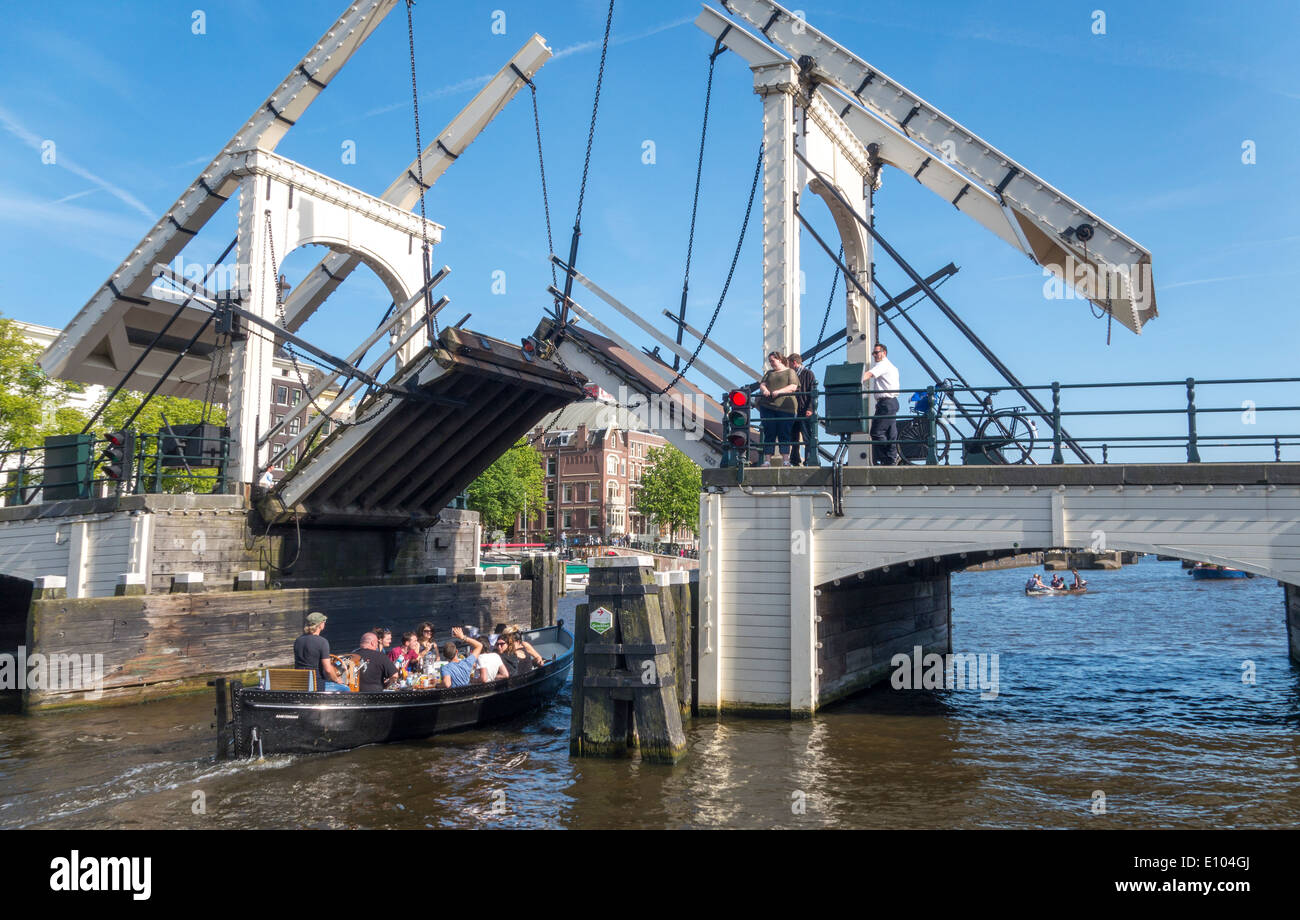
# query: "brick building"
289,404
595,455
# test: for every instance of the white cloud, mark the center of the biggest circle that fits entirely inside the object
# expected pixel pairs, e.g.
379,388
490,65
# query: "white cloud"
63,160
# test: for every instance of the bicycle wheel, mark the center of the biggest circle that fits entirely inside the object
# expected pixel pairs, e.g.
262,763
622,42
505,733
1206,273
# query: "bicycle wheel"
914,437
1008,437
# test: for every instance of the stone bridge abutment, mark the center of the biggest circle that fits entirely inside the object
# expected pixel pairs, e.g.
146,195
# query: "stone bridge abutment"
801,606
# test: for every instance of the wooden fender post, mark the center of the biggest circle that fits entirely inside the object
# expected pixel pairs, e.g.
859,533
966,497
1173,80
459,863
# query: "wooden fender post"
625,693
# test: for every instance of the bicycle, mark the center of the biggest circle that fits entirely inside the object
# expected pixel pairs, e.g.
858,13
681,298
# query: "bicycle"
1003,435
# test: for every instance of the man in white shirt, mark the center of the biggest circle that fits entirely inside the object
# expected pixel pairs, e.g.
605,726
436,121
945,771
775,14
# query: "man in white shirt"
884,423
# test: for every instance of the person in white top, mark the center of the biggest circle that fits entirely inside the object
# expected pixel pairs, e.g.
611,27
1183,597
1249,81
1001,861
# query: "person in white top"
883,376
490,665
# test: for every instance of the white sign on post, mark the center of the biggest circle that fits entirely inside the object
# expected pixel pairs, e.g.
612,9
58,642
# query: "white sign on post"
602,620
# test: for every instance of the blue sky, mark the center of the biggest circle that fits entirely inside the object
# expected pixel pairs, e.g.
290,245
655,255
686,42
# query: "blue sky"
1143,125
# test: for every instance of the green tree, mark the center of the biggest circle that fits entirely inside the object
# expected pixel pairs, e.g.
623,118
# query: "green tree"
670,490
31,404
512,485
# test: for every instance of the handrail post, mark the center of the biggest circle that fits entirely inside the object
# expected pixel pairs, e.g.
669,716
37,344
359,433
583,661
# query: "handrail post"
1057,456
1105,453
157,468
931,450
1193,453
813,452
22,468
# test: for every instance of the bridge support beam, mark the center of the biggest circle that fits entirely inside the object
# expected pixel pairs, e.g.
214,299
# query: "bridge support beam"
777,84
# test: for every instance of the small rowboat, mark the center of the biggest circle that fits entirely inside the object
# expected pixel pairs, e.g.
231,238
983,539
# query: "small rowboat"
1203,570
1054,592
305,722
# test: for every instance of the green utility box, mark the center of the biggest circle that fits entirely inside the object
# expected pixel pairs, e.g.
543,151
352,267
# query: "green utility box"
976,452
68,467
847,408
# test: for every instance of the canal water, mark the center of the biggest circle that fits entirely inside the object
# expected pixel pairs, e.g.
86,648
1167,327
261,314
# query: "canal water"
1125,707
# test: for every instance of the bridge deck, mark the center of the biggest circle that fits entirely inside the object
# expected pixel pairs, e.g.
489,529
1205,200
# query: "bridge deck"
1117,474
409,457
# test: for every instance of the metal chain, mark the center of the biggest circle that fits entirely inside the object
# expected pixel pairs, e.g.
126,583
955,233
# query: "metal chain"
699,170
830,301
419,169
541,165
595,107
744,227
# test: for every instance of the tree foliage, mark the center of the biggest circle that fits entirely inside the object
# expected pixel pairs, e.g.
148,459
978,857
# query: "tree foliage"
32,406
511,486
670,490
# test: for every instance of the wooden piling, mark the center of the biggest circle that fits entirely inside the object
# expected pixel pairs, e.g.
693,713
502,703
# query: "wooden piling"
625,694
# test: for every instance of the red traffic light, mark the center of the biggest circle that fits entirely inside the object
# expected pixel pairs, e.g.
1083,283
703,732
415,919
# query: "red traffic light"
738,398
116,438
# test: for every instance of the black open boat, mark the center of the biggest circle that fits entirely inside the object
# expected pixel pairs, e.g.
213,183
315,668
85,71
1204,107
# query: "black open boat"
300,722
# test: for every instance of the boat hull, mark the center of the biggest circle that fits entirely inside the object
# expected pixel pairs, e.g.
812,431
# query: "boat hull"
1202,574
286,722
1055,592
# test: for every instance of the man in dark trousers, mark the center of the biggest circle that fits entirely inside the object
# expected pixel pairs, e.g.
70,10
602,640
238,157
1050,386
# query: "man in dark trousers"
803,417
883,376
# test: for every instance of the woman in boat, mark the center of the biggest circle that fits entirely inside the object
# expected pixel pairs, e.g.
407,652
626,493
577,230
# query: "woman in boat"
1057,581
428,642
385,637
520,657
1035,583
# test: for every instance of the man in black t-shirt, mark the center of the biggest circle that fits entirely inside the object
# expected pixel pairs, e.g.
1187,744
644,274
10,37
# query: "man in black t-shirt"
311,652
376,667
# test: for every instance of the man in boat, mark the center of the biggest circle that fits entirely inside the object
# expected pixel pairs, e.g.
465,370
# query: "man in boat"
376,667
311,652
1078,582
459,669
1058,581
1035,583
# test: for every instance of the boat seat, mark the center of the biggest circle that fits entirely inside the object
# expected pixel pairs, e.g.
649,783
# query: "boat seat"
288,679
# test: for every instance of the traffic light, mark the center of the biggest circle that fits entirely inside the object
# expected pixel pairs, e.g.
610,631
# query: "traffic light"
118,456
735,428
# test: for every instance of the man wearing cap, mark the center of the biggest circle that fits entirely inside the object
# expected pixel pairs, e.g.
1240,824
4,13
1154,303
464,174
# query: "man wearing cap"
311,652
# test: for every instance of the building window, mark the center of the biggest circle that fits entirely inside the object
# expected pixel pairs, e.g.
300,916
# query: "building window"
281,395
550,520
613,492
550,466
581,491
550,491
568,493
568,520
295,425
611,465
622,468
297,396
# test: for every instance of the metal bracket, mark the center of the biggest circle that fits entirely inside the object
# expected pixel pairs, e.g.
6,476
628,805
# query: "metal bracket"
621,648
627,681
623,590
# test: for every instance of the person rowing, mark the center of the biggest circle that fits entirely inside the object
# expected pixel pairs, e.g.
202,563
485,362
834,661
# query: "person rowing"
1035,583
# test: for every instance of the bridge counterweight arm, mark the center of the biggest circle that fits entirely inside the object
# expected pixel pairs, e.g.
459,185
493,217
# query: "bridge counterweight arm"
1043,219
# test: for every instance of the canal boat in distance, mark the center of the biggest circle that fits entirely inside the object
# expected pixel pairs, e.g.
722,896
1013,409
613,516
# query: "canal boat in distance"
1204,570
1054,592
307,722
